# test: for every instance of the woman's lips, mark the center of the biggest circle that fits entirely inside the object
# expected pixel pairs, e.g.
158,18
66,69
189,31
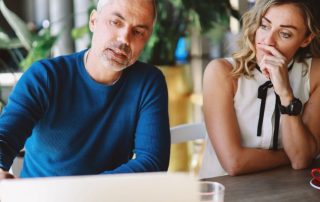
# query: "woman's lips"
262,50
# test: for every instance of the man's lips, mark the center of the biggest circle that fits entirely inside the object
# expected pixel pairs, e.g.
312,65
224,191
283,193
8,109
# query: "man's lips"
117,57
118,53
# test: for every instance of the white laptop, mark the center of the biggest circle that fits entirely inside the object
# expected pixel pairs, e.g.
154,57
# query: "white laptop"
144,187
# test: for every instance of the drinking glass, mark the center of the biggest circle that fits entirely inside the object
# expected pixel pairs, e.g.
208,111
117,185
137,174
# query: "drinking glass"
211,191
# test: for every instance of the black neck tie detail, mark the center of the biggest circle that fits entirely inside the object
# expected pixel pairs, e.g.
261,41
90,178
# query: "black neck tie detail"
262,94
276,123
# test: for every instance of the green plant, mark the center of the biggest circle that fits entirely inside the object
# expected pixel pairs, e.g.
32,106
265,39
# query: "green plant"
36,44
79,32
176,18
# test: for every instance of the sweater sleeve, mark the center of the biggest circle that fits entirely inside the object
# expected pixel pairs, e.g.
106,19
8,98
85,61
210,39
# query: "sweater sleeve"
25,106
152,138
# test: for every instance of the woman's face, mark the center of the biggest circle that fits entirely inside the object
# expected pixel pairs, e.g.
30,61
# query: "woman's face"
284,28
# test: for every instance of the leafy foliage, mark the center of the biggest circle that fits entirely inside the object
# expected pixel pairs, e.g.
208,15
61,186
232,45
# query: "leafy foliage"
37,44
17,25
79,32
174,20
41,48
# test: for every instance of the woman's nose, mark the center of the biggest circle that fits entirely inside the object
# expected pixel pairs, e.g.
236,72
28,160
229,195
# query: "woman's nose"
270,39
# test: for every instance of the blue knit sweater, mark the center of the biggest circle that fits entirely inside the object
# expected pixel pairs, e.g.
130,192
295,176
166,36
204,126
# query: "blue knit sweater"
72,125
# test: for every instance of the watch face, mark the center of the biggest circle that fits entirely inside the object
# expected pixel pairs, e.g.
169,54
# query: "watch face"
295,107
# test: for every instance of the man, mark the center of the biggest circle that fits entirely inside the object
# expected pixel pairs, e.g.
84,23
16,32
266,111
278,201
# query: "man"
90,112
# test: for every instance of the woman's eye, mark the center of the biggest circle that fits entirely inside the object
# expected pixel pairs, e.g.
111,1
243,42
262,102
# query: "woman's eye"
285,35
263,26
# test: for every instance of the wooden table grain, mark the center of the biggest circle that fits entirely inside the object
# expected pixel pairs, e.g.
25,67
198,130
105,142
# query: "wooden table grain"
279,184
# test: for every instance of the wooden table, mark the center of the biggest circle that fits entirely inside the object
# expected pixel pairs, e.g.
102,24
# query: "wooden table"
280,184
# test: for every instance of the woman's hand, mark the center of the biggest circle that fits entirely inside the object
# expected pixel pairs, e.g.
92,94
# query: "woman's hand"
275,67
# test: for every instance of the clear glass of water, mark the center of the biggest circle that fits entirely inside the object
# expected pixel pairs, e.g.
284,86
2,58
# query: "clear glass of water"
211,191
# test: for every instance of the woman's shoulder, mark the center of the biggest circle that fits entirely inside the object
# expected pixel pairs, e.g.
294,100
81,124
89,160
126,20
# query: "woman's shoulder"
315,68
315,63
219,72
315,72
221,65
219,68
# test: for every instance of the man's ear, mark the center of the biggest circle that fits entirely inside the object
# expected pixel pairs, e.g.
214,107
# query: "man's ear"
92,20
307,40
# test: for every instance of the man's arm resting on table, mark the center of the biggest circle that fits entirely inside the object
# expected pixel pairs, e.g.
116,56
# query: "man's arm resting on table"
4,166
5,174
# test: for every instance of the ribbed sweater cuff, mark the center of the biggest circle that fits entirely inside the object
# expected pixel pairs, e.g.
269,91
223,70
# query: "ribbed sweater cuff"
5,162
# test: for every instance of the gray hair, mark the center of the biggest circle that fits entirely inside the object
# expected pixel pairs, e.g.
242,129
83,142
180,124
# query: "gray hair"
102,3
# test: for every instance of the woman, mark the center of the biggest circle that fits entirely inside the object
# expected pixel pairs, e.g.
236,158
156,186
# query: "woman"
262,107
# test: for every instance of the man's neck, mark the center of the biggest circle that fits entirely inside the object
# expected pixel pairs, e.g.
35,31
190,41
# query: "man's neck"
100,74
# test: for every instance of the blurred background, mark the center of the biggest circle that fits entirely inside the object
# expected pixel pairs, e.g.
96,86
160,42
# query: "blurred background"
187,35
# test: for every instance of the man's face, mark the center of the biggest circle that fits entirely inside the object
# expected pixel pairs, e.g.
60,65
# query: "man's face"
120,30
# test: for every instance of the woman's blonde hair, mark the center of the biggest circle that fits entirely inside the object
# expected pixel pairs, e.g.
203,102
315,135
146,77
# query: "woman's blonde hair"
245,57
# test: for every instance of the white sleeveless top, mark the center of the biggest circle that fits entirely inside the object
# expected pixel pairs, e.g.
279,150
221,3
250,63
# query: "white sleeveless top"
247,107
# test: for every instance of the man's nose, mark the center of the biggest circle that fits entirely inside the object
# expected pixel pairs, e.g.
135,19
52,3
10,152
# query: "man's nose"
124,36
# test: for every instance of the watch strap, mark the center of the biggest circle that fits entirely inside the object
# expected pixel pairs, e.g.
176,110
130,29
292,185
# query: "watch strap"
293,109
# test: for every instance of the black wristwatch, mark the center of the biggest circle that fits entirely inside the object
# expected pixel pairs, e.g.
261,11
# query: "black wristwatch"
293,109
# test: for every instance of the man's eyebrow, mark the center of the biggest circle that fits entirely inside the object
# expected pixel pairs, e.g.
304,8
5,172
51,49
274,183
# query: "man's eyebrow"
123,18
118,15
285,26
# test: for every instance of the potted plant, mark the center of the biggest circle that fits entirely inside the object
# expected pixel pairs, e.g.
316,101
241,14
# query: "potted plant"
28,45
175,20
23,49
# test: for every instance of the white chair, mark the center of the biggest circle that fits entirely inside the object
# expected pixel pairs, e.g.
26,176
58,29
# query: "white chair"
17,164
194,133
187,132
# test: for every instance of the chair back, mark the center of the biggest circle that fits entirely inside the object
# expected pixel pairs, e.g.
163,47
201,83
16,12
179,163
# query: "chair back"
187,132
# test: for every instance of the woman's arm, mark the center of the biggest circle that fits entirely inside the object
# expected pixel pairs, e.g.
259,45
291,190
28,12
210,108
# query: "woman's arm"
301,134
219,88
